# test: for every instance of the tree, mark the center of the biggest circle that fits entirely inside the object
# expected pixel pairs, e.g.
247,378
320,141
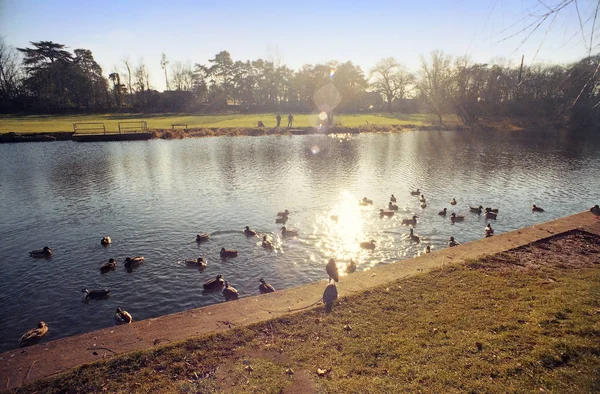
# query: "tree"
163,63
128,66
183,76
391,80
10,73
436,81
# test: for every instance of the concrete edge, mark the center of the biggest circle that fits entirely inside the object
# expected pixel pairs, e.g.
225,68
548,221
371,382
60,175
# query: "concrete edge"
25,365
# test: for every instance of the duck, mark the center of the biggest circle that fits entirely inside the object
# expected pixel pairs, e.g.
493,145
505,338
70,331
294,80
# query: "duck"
45,252
365,201
111,265
413,237
283,213
422,198
595,210
489,231
536,209
476,210
393,198
95,294
453,201
334,218
330,295
132,262
383,213
249,232
202,237
281,220
456,218
351,267
230,293
490,215
105,241
264,287
494,210
266,243
452,242
415,193
288,233
332,271
368,244
33,335
392,206
228,253
423,204
410,222
123,317
199,262
214,284
428,249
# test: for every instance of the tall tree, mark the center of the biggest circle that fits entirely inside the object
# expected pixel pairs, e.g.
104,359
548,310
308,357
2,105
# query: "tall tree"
163,63
436,81
10,73
391,80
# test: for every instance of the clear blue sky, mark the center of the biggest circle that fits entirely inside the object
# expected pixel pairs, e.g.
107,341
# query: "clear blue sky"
297,33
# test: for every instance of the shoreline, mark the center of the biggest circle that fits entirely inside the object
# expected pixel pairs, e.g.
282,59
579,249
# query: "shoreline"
25,365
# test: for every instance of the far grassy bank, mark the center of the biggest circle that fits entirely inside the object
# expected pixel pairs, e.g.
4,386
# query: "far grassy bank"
526,320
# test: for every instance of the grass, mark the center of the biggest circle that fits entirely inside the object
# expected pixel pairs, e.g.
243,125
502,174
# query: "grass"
56,123
527,320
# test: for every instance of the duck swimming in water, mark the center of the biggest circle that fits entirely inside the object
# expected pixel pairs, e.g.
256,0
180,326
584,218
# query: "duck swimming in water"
442,212
491,215
133,262
413,237
365,201
489,231
423,204
230,293
122,317
202,237
249,232
46,252
370,245
476,210
428,249
392,198
332,270
33,335
199,262
111,265
216,283
536,209
288,233
264,287
415,193
106,241
95,294
281,220
266,243
410,222
452,242
228,253
283,213
455,218
453,201
383,213
494,210
392,206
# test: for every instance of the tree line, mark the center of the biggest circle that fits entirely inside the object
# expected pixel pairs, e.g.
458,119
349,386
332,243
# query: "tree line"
47,78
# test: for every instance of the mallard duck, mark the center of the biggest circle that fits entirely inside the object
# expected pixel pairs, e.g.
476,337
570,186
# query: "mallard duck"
413,237
428,249
281,220
111,265
477,210
422,198
288,233
536,209
423,204
489,231
199,262
283,213
266,243
456,218
410,222
368,244
490,215
230,293
122,317
264,287
95,294
595,210
494,210
332,270
249,232
415,193
452,242
46,252
366,201
392,198
453,201
106,241
383,213
443,212
132,262
202,237
33,335
351,267
392,206
228,253
214,284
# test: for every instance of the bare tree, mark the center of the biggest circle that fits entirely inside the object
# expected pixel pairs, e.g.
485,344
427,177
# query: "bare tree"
436,78
391,80
183,76
127,64
10,70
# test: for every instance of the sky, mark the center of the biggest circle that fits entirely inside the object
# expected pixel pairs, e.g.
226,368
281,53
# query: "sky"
301,32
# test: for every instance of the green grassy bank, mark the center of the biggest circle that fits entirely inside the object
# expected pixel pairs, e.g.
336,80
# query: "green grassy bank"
526,320
56,123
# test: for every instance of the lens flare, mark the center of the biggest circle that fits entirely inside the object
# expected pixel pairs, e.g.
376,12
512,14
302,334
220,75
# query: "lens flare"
315,149
323,115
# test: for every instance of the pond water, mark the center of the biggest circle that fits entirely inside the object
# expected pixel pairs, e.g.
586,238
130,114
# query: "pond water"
152,197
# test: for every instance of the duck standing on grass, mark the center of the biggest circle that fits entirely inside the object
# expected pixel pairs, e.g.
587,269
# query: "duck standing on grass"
45,252
33,335
332,270
351,267
230,293
264,287
122,317
489,231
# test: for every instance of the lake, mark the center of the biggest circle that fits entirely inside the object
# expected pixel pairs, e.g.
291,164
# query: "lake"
153,197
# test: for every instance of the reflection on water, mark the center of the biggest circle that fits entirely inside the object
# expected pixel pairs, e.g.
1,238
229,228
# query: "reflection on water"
152,197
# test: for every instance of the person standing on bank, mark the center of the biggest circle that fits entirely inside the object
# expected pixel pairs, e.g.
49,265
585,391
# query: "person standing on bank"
290,120
278,118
